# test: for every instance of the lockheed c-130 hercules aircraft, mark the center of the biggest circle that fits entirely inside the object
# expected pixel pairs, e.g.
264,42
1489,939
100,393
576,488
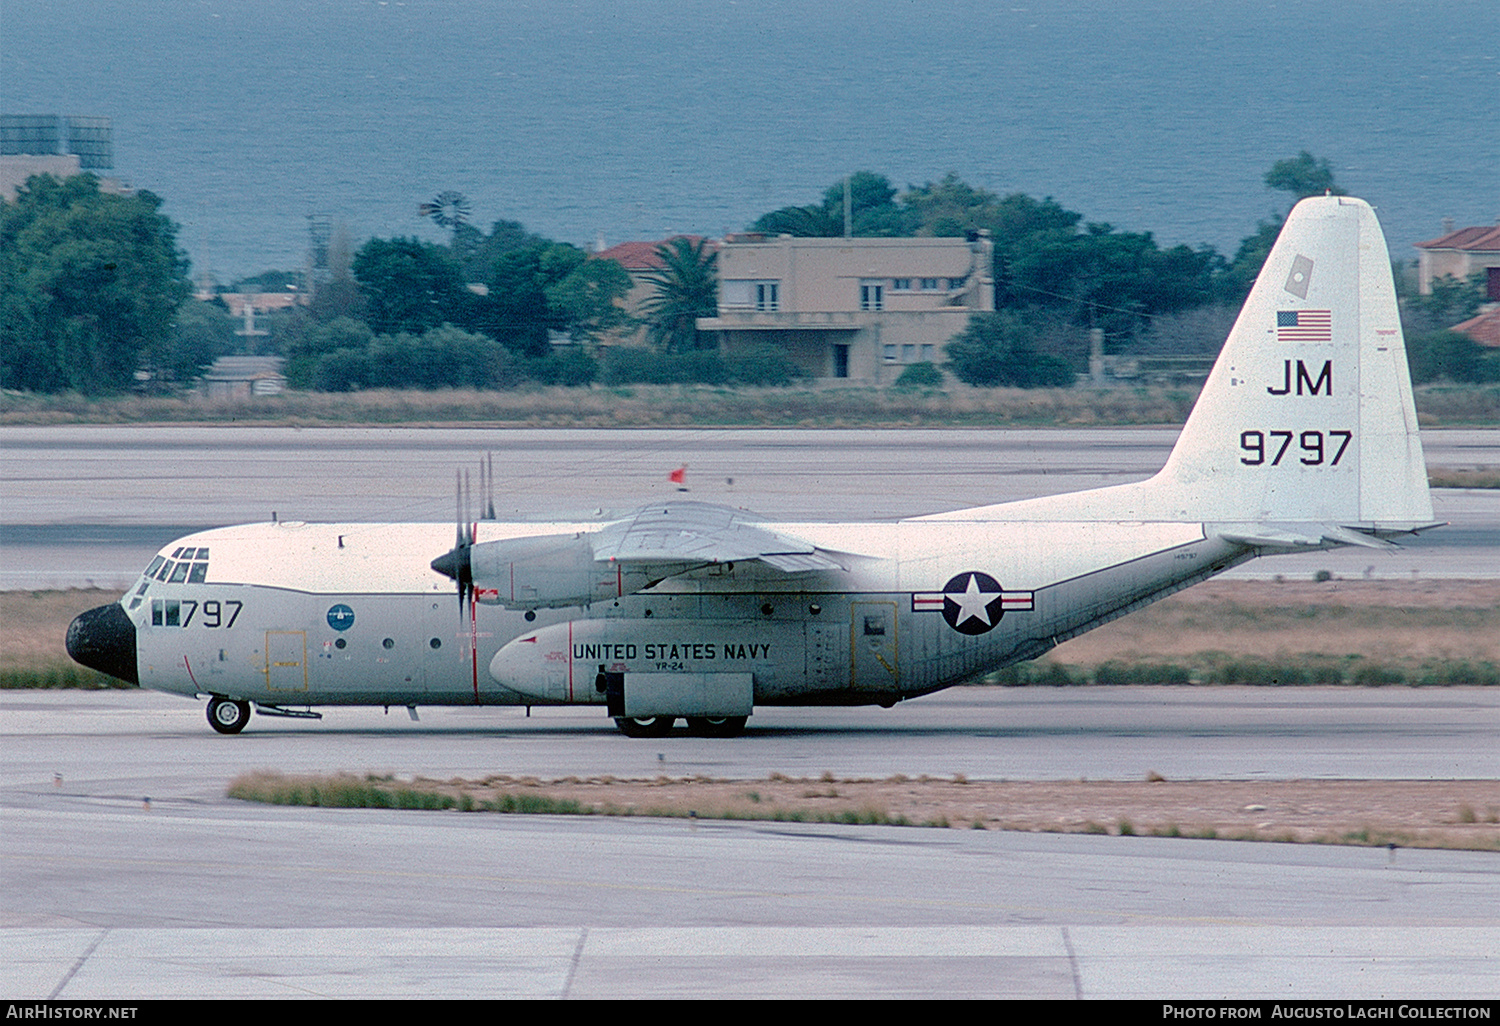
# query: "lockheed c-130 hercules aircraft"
1304,437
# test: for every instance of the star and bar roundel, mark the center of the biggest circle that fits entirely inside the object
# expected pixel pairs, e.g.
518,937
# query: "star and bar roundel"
972,602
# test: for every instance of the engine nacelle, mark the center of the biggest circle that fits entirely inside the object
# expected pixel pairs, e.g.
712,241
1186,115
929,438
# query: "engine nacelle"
552,572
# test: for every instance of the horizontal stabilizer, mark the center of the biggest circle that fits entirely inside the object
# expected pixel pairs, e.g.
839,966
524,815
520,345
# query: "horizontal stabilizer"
1298,536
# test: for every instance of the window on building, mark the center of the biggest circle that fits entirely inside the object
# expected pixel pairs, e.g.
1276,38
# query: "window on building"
750,295
872,295
890,354
930,285
900,284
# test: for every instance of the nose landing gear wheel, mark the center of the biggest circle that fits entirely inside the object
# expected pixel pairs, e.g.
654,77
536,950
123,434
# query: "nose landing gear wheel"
653,726
716,726
228,717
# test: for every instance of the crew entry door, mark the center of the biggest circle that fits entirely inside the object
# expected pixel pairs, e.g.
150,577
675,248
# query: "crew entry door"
286,660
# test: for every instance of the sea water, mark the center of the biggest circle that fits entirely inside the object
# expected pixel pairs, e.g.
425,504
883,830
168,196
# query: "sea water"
637,119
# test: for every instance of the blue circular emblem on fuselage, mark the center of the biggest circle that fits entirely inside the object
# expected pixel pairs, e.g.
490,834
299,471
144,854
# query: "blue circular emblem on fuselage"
340,617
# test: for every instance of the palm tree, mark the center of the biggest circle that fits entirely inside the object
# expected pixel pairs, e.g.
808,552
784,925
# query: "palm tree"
687,287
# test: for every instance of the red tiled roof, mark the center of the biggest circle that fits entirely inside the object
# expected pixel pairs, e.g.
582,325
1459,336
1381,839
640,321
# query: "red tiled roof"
1484,329
640,256
1484,239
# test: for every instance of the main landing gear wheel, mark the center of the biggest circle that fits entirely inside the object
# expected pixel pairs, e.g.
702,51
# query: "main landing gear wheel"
228,717
716,726
651,726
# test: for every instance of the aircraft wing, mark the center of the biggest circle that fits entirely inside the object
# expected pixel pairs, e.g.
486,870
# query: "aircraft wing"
701,532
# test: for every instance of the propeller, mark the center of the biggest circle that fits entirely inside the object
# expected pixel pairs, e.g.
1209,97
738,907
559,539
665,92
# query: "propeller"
489,485
456,563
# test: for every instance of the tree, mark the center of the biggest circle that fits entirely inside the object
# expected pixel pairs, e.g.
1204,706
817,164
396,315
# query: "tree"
88,281
1000,349
1449,356
588,299
517,312
1449,301
201,333
1303,175
687,287
951,208
873,212
1251,257
307,342
409,285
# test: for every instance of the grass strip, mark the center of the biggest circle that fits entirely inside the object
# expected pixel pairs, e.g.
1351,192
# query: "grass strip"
1409,814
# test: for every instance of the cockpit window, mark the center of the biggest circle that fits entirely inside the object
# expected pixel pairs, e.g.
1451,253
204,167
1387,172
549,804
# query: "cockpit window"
185,571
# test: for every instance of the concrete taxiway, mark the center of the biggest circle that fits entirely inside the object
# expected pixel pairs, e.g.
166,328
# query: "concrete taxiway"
107,895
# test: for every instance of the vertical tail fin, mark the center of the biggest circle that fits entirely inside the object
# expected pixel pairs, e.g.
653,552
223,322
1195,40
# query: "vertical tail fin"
1307,417
1308,413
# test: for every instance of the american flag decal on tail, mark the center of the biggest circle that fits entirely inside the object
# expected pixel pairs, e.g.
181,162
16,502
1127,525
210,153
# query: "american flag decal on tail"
1304,326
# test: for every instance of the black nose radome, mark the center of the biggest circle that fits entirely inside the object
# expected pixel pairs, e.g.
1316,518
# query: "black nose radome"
103,639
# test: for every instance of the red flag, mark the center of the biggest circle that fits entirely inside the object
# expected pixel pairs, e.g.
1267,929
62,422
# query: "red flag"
678,476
